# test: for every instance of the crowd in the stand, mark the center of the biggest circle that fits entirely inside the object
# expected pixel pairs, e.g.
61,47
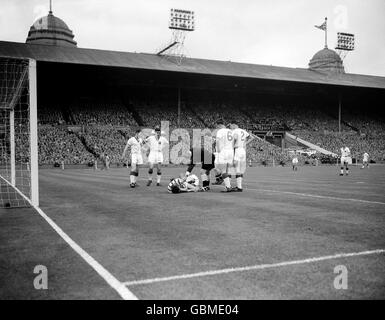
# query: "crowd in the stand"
104,141
50,116
101,114
153,114
104,128
57,145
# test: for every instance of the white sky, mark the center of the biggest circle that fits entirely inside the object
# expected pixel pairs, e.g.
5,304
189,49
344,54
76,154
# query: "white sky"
275,32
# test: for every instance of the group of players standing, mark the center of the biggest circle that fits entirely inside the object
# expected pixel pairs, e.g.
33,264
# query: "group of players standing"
226,156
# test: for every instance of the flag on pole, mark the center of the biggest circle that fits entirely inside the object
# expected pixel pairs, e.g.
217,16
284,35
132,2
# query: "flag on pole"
322,26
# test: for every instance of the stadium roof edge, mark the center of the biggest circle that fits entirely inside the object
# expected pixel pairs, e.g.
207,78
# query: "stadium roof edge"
148,61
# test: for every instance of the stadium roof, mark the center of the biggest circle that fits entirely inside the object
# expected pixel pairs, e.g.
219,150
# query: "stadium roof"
49,53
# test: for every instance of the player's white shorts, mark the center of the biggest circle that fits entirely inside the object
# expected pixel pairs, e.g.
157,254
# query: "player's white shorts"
347,160
136,158
155,157
226,156
240,160
224,161
295,162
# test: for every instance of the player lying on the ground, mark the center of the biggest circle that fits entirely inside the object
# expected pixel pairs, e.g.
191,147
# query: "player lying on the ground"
135,143
207,158
186,184
156,143
345,160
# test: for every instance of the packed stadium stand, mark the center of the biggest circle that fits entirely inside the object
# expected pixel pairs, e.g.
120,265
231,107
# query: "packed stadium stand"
104,128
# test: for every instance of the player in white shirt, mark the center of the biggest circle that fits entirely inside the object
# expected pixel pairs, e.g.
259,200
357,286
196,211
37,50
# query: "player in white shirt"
135,143
295,163
365,160
225,153
239,163
345,160
156,143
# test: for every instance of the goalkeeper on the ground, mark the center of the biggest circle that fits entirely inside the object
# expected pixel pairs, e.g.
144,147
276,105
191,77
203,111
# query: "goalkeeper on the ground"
186,184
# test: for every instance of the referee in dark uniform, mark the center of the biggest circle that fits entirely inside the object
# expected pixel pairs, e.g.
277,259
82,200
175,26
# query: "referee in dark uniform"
207,159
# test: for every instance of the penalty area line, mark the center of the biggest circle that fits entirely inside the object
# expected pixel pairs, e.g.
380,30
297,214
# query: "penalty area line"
114,283
254,267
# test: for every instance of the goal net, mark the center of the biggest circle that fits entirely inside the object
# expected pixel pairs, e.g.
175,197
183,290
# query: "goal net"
18,133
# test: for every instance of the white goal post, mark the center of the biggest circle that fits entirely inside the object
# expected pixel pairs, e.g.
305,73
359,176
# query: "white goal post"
19,185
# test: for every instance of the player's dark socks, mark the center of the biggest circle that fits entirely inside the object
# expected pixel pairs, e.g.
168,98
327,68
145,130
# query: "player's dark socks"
205,183
158,184
218,179
149,183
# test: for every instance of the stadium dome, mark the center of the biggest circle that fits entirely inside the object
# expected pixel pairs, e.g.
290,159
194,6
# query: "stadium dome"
327,60
51,30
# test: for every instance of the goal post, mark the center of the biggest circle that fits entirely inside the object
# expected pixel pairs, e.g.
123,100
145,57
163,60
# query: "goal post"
19,186
33,133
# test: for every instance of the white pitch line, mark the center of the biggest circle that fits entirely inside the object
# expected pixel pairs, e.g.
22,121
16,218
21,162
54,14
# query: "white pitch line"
249,268
114,283
318,196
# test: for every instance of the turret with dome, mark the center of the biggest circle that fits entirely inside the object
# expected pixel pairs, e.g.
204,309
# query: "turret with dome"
51,30
327,60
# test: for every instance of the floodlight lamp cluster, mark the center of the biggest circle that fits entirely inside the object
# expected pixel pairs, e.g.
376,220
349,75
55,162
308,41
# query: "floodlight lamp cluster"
182,20
345,41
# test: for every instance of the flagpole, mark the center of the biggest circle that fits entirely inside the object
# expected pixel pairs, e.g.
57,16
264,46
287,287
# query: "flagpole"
326,32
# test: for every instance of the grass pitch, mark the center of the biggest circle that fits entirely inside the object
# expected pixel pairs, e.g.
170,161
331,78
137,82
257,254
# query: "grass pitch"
170,241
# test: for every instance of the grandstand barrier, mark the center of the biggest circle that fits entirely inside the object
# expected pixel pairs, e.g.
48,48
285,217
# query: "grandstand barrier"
310,145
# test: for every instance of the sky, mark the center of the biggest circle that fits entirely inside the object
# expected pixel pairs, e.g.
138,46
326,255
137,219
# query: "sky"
275,32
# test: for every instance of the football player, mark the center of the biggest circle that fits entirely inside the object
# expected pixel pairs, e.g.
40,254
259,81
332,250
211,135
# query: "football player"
239,163
295,163
365,160
186,184
135,143
345,160
225,153
156,143
207,158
